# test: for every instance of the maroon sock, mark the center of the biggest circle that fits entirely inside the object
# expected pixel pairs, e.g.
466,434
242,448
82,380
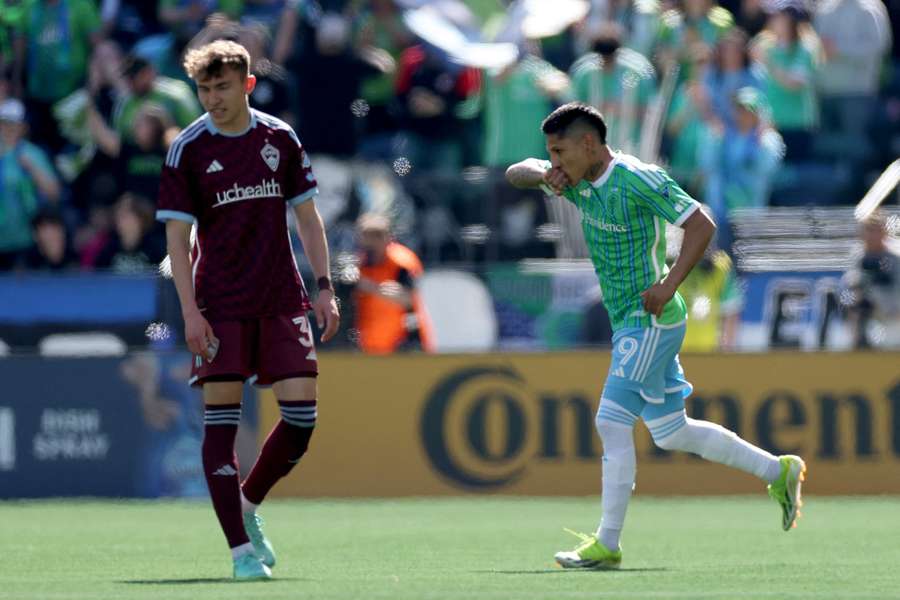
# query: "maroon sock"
220,466
283,448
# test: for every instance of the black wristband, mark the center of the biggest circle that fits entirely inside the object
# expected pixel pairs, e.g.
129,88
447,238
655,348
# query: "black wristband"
324,283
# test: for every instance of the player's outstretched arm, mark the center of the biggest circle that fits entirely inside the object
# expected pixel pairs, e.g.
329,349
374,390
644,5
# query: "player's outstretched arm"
698,231
197,331
312,234
533,173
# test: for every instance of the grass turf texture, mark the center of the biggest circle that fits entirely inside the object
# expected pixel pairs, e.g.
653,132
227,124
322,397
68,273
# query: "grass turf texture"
468,548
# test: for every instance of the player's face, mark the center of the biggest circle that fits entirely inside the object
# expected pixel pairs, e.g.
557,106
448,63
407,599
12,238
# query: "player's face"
224,96
568,154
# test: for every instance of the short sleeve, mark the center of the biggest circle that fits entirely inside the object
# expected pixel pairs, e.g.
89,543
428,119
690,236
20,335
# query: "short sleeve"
660,194
175,195
300,182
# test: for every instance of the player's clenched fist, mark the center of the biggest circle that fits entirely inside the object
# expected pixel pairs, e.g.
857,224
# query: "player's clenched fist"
199,334
557,179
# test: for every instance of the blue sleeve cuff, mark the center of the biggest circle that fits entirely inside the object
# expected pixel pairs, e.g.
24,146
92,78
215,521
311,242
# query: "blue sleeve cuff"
175,215
307,195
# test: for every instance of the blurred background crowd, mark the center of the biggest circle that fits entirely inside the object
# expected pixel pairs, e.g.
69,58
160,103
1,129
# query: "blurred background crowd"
778,115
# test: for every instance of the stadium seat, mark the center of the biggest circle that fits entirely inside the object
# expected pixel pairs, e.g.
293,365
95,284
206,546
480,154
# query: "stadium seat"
82,344
461,311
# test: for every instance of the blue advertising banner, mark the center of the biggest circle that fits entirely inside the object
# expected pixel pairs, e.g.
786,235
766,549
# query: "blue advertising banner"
99,427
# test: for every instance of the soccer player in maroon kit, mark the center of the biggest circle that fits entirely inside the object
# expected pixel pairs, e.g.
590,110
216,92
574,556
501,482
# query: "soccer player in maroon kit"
233,173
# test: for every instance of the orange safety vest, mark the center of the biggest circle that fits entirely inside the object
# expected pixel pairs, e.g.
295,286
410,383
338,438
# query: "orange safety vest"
382,323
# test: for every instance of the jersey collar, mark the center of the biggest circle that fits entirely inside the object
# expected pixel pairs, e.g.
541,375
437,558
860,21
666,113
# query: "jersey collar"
215,130
609,169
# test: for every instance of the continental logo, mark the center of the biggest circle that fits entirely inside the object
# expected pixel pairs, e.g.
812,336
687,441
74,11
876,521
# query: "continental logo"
483,427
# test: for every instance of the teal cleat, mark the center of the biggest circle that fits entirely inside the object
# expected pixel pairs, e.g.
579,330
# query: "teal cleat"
253,525
590,554
786,489
248,567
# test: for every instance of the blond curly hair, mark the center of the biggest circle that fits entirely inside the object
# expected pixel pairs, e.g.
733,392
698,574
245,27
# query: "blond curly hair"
209,60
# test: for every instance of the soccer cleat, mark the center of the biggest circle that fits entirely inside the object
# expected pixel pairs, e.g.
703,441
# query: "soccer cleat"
248,567
590,554
786,489
253,525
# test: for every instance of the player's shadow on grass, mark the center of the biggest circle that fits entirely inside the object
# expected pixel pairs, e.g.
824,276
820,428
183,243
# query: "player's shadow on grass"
555,571
199,580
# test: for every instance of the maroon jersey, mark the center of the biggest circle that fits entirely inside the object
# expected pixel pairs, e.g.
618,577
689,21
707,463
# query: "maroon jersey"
236,188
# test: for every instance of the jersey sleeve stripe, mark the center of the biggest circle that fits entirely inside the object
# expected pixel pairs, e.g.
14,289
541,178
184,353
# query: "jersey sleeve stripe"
277,123
643,177
173,157
687,213
305,196
174,215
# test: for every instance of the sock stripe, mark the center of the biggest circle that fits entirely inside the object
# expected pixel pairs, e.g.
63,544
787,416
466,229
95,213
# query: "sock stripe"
296,403
222,414
667,429
299,413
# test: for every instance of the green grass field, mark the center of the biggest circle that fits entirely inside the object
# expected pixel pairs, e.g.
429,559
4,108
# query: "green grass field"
459,548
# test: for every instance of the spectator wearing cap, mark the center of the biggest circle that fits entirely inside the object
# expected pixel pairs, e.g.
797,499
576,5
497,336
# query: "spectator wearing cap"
146,86
55,40
27,180
52,250
739,162
789,50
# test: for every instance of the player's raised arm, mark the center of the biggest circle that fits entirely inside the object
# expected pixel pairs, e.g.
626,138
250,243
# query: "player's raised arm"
535,173
312,234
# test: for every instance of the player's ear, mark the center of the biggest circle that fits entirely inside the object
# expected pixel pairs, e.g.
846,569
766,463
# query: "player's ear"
250,83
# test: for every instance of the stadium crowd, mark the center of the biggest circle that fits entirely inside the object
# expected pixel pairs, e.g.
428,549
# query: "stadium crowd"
748,103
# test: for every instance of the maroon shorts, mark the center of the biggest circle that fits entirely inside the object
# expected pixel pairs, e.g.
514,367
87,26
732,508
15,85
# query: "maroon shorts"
263,350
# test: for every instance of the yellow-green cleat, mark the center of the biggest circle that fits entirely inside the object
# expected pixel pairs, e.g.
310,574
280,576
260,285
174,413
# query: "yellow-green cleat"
253,526
786,489
248,567
590,554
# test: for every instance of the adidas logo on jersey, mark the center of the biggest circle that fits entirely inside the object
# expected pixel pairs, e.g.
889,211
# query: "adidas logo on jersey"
214,167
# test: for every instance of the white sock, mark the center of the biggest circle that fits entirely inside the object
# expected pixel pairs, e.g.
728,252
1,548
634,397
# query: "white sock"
619,470
609,538
246,505
239,551
715,443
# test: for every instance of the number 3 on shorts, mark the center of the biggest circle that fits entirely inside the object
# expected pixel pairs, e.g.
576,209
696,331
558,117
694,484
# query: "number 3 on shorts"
305,338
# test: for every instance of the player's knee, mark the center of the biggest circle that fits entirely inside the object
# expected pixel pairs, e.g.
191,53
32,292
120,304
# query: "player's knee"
679,439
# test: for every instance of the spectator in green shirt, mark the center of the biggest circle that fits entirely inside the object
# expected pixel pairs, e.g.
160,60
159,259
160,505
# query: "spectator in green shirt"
619,82
26,179
695,22
145,85
789,51
516,100
55,40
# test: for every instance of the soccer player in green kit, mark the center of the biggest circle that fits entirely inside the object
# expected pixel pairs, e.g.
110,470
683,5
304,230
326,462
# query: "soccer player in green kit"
624,205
